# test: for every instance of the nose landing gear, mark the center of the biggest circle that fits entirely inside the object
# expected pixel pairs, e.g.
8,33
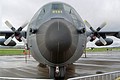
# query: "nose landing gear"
57,72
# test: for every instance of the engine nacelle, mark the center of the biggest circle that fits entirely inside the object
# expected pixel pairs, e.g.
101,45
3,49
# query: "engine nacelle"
117,35
108,40
12,43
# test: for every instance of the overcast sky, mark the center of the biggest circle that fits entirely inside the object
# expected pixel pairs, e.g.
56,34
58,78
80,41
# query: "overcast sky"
0,14
94,11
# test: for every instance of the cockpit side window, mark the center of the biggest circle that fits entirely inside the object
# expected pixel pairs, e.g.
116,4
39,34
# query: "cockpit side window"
75,17
36,15
43,11
67,8
70,11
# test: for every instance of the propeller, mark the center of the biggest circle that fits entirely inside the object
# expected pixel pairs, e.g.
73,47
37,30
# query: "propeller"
9,39
95,33
17,33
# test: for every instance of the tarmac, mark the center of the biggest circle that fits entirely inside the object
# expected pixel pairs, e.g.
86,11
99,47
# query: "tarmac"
16,66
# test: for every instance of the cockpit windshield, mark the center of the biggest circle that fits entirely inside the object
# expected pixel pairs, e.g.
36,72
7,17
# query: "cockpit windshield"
56,6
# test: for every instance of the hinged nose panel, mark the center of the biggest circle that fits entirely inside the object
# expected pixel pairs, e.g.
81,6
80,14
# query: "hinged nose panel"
55,40
58,38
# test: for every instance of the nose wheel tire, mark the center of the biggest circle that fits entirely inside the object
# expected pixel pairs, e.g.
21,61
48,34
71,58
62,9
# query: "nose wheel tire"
57,74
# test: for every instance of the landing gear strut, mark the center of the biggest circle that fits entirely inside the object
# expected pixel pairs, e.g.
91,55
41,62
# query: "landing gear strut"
57,72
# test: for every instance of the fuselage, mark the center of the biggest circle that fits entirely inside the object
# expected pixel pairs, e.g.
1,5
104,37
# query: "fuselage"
53,37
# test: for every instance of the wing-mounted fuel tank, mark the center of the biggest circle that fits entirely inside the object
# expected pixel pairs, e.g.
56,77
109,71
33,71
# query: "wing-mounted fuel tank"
109,41
11,43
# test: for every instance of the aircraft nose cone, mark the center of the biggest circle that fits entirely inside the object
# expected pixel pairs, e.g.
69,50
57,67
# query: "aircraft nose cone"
58,38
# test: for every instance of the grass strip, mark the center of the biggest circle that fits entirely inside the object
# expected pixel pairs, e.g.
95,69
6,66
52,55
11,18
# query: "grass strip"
11,52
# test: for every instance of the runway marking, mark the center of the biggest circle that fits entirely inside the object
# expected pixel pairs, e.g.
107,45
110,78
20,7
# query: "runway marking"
90,65
94,59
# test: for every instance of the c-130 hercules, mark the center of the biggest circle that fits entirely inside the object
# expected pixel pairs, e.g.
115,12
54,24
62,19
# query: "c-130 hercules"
56,37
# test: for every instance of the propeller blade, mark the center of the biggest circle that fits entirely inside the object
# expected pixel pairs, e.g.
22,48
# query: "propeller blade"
8,40
102,40
89,26
101,26
22,26
9,25
24,40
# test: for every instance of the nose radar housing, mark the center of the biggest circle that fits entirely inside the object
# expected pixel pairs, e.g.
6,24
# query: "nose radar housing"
55,40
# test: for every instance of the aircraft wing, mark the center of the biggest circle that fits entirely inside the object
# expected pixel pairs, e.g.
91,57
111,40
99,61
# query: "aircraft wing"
103,41
102,33
7,34
110,33
107,33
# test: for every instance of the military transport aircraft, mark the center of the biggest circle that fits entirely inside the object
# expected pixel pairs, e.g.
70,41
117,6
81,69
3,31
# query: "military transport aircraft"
56,37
